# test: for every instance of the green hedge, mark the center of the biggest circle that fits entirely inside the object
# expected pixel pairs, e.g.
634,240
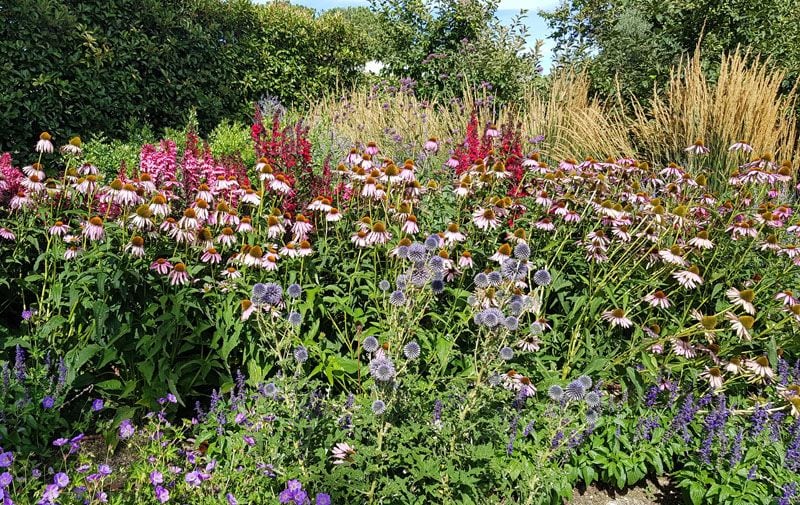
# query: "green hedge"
80,67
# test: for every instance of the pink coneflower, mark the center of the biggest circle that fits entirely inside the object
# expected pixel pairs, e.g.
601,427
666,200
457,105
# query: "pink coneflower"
431,145
545,224
72,252
135,247
251,197
158,206
682,347
452,162
371,149
658,299
59,229
342,453
305,249
741,229
617,317
787,298
359,238
461,189
141,218
301,228
227,237
161,266
289,250
743,298
86,185
254,257
231,273
245,225
44,145
320,203
760,368
127,196
491,131
465,260
7,234
379,235
280,185
735,366
714,377
353,158
689,278
200,208
453,234
189,220
274,227
33,184
93,229
410,226
333,215
741,325
741,146
697,148
485,219
21,200
270,262
701,241
179,276
673,255
211,255
248,308
529,343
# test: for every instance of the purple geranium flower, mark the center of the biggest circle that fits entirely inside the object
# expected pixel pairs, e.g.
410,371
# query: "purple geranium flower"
162,494
104,470
6,458
231,499
6,479
126,429
61,479
48,402
156,477
97,405
323,499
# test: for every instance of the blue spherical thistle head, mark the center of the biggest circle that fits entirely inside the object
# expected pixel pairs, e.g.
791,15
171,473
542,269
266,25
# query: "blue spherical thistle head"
402,281
420,276
555,392
506,353
258,292
542,277
592,416
575,391
495,278
437,286
370,344
269,293
294,291
382,369
417,252
295,318
300,354
522,251
384,285
586,381
432,242
592,399
378,407
411,350
436,263
397,298
514,269
270,390
481,280
515,308
511,323
402,252
494,379
491,317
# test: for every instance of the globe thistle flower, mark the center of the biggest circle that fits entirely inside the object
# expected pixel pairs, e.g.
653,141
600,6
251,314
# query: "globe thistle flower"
592,399
574,391
432,242
495,278
522,251
542,277
437,286
417,252
370,344
300,354
272,294
511,323
270,390
420,275
295,318
592,416
586,381
506,353
495,379
481,280
382,369
436,263
514,269
397,298
491,317
294,291
411,350
384,285
258,291
378,407
555,392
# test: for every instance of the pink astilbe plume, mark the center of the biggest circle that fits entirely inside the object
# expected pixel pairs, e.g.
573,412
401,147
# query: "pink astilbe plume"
474,147
9,178
159,162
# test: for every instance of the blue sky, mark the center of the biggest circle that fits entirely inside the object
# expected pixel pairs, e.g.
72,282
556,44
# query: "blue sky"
537,28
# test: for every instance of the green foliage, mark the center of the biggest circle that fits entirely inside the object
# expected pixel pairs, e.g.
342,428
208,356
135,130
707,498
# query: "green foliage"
451,45
634,43
75,68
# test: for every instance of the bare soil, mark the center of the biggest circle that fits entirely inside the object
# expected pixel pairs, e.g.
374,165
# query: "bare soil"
657,491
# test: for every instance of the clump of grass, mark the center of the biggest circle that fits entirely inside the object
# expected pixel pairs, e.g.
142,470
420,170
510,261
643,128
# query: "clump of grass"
744,103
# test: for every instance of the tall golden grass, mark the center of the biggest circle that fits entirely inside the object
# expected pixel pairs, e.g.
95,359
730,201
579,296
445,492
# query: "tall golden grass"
745,103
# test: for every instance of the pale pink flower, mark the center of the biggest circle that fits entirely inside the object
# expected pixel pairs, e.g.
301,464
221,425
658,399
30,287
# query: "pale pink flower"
617,317
179,276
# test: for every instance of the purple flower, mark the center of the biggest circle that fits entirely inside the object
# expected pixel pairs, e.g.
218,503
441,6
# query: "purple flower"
789,492
162,494
51,493
249,440
97,405
60,442
172,398
156,477
196,478
104,470
48,402
231,499
294,493
61,479
6,458
126,429
26,315
6,479
323,499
